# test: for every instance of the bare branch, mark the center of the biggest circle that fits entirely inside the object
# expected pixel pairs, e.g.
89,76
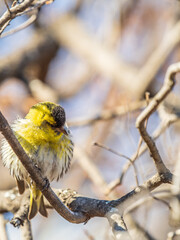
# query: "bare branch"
137,231
174,235
117,224
21,215
121,155
26,232
17,10
88,207
140,122
157,58
3,234
160,129
110,114
11,13
21,27
86,46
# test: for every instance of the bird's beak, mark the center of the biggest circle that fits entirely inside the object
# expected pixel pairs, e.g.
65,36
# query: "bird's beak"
64,129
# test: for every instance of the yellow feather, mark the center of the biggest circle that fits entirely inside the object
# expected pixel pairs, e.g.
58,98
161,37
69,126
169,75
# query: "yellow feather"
50,149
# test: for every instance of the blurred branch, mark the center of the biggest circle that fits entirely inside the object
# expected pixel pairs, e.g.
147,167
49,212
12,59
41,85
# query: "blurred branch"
38,51
89,236
91,169
165,123
109,114
79,209
7,6
121,155
21,214
174,235
3,234
136,231
118,225
87,47
174,218
26,232
42,92
156,60
107,63
168,116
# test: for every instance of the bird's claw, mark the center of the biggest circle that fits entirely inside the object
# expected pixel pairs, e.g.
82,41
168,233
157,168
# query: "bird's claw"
46,185
36,166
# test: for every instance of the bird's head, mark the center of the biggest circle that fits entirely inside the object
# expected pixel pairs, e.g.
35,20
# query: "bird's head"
47,114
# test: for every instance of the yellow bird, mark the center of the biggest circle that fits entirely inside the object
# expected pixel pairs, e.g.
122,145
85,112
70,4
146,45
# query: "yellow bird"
45,137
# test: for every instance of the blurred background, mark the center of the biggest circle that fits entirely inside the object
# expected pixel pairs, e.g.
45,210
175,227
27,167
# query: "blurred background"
96,58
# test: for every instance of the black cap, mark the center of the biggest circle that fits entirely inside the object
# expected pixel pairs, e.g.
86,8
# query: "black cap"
59,116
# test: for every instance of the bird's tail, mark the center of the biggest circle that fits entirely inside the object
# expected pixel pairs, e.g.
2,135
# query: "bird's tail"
36,202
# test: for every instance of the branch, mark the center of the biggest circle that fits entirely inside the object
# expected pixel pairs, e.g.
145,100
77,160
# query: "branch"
26,232
118,225
85,206
156,59
162,127
110,114
22,26
174,235
169,82
3,234
20,9
11,12
137,231
88,47
21,214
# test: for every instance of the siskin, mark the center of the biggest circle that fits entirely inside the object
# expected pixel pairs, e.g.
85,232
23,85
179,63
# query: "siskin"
46,139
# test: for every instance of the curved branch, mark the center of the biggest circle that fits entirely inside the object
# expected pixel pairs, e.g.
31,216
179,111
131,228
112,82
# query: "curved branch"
169,83
81,205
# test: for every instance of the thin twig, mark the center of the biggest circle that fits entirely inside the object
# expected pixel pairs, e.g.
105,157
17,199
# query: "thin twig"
13,11
110,114
7,6
174,235
160,200
162,127
120,155
89,236
20,27
136,231
91,169
156,59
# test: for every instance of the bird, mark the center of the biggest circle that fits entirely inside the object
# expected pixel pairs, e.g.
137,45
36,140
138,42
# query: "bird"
47,140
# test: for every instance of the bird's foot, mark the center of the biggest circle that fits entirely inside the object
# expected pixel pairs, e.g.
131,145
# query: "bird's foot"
46,184
36,166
